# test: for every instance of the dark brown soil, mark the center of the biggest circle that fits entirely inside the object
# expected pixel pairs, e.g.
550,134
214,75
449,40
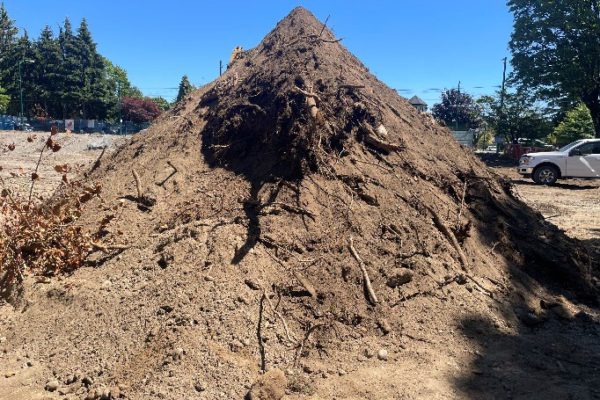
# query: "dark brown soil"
244,261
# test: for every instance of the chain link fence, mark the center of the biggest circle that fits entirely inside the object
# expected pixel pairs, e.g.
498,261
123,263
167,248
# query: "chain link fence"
9,123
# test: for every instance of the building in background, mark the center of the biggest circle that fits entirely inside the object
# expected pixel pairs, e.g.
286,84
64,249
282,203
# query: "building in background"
418,103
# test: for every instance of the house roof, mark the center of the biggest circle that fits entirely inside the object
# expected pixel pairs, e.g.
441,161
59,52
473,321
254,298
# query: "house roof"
417,101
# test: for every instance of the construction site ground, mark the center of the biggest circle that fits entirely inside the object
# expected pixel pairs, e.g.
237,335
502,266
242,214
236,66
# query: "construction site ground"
480,359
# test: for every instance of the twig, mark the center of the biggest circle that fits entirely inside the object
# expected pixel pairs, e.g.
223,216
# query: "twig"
175,170
306,337
278,314
324,25
97,162
261,345
367,281
372,139
138,184
37,166
450,236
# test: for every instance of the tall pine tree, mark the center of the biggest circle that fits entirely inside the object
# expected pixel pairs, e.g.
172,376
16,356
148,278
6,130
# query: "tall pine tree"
185,87
95,88
70,92
48,72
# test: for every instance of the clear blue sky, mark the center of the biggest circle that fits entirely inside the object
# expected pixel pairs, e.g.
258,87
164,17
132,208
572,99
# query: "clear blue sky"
419,46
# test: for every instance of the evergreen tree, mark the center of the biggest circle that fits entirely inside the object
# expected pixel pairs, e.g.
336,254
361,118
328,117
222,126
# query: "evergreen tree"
4,101
19,75
8,37
48,72
95,89
185,87
70,92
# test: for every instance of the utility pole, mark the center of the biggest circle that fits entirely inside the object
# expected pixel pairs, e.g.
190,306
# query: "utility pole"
220,67
456,107
120,108
502,95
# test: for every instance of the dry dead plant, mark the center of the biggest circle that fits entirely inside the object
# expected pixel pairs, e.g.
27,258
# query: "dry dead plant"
41,239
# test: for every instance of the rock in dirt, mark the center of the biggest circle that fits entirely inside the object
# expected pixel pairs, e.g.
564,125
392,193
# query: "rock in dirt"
52,385
401,278
200,386
270,386
382,354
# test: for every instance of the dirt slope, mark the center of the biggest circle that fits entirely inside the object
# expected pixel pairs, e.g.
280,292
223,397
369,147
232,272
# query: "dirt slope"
260,180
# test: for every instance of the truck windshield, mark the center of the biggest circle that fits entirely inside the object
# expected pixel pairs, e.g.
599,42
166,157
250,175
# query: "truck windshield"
570,146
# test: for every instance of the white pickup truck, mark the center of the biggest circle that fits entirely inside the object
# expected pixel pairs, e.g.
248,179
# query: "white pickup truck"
580,159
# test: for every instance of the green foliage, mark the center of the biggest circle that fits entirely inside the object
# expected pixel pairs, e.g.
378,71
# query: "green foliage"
576,125
458,110
518,117
161,103
556,50
185,87
60,77
485,139
4,101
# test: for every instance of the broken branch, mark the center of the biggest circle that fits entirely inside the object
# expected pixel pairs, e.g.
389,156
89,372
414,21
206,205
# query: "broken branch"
367,281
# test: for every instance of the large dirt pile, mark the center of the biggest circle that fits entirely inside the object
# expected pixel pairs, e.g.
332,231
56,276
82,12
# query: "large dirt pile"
303,217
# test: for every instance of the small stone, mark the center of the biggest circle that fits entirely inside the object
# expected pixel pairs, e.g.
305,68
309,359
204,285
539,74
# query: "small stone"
342,372
236,346
178,353
252,284
106,285
382,354
208,278
403,277
29,364
369,353
10,374
2,339
199,386
52,385
87,381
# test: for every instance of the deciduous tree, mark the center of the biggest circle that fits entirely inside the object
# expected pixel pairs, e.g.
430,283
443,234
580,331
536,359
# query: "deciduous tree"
458,109
555,48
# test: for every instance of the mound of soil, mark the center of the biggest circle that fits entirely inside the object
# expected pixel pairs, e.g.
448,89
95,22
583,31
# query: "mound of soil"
305,218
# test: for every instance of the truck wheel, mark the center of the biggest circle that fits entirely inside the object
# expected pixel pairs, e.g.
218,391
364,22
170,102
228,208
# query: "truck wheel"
545,175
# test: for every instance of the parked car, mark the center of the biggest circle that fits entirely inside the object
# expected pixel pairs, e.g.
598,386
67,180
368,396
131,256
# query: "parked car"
580,159
23,127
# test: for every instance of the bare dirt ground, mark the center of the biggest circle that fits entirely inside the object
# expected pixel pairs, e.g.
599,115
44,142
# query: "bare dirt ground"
77,151
573,205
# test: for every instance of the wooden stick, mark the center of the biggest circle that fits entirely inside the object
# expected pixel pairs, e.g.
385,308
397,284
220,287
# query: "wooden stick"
367,281
138,184
450,236
97,162
306,337
261,345
285,326
372,139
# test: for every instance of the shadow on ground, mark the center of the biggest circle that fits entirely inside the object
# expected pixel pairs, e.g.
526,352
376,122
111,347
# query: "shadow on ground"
539,348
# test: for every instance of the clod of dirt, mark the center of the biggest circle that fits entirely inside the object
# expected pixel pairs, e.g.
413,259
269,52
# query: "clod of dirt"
270,386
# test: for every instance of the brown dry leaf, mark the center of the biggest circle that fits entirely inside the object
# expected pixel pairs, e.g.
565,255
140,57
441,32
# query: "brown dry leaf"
35,176
11,146
64,168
